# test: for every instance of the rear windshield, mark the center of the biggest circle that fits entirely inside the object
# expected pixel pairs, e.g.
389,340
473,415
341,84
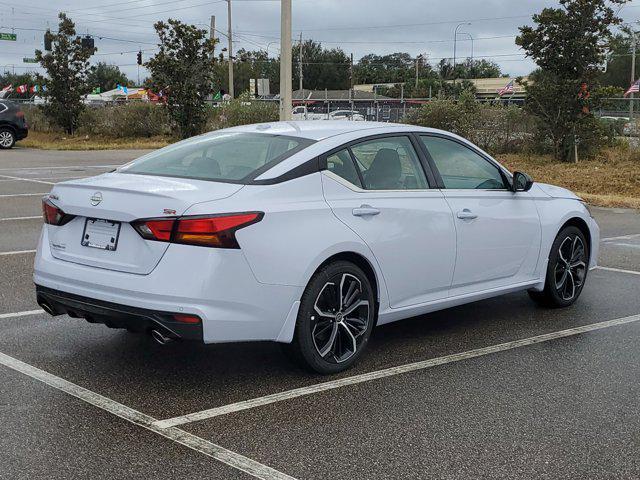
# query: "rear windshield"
230,157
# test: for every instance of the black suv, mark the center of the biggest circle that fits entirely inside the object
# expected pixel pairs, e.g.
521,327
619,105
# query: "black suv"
13,126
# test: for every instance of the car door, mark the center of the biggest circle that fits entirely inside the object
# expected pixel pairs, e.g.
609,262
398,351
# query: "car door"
379,188
498,231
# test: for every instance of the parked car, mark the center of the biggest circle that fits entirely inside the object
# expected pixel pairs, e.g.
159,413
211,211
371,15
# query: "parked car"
306,233
353,115
13,125
301,112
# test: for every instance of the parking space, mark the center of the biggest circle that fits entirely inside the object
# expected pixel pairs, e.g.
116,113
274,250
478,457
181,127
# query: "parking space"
561,406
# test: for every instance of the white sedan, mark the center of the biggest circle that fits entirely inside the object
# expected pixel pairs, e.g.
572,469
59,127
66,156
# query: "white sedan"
308,234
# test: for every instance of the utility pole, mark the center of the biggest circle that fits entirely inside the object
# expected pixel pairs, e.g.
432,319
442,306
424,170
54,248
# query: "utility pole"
230,51
633,71
300,68
417,69
351,82
285,60
212,32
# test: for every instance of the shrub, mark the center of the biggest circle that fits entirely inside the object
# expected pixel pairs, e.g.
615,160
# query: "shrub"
37,120
495,128
135,119
242,111
459,117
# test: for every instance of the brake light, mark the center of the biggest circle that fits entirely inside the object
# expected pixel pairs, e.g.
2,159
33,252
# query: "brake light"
217,231
184,318
52,215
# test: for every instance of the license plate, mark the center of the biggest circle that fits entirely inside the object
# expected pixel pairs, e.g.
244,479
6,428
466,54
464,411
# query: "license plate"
102,234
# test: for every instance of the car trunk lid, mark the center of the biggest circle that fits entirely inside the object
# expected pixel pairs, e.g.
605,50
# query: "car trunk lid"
121,198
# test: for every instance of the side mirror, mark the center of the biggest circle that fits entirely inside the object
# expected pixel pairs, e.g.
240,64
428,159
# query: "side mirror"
521,182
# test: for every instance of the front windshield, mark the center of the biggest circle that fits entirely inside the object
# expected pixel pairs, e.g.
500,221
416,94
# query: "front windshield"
229,156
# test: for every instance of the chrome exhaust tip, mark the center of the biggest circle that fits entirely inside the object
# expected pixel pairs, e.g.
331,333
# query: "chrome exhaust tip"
160,338
47,308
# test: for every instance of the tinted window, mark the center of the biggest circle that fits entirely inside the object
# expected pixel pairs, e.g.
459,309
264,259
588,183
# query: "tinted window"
461,167
224,156
389,164
342,165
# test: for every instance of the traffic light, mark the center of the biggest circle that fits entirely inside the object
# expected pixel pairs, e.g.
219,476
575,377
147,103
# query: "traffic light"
140,58
47,41
87,42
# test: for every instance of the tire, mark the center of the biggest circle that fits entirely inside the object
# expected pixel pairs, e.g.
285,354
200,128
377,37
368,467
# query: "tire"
566,271
7,138
326,341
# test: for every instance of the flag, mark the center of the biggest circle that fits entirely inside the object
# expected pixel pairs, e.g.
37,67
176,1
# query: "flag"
96,90
21,89
508,88
125,90
6,91
44,88
634,88
34,89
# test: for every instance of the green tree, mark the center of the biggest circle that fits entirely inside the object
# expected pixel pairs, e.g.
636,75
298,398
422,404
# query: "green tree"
183,69
106,77
67,67
394,68
618,72
568,44
321,68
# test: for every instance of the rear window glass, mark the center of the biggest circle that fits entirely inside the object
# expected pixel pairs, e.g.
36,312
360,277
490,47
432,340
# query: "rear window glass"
231,157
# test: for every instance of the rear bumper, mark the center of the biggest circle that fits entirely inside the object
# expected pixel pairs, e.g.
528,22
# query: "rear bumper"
115,315
21,133
217,285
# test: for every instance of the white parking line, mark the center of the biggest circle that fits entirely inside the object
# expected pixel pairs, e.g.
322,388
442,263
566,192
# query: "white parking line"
21,179
10,177
621,237
60,167
189,440
24,194
619,270
389,372
21,314
17,252
11,219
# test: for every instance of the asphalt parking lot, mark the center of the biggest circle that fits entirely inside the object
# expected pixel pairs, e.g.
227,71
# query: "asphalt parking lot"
497,389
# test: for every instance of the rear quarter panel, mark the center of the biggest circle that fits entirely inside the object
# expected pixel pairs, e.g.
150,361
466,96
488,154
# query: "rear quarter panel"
297,234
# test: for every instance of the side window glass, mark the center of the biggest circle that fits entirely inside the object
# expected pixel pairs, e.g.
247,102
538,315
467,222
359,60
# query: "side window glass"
389,164
342,165
462,168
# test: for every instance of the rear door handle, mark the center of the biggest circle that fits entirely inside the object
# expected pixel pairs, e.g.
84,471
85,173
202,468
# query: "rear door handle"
365,211
467,214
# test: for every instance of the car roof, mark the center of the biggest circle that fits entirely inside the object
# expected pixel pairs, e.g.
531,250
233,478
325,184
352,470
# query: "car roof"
319,129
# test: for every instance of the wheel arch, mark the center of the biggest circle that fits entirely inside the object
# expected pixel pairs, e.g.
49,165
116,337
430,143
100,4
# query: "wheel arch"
581,225
9,126
364,264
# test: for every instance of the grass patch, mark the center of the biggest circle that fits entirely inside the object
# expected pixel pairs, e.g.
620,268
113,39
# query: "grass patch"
612,179
59,141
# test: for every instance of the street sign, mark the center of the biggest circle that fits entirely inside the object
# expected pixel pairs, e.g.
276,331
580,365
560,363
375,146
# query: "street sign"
11,37
29,60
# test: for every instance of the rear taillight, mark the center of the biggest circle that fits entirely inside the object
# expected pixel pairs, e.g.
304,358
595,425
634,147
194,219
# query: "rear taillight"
52,215
216,231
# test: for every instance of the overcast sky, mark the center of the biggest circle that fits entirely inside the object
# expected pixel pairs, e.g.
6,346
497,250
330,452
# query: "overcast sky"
357,26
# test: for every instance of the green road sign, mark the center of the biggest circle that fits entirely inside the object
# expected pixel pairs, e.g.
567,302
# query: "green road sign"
29,60
12,37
